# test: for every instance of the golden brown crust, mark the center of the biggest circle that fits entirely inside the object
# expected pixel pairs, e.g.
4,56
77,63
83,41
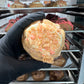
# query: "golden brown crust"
18,5
60,61
38,75
36,4
50,4
43,40
56,75
22,77
66,27
60,3
47,2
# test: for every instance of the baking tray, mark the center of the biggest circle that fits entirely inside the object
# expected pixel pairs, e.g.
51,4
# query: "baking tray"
68,78
44,9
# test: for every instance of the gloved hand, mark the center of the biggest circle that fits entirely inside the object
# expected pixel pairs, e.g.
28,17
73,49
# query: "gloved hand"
11,48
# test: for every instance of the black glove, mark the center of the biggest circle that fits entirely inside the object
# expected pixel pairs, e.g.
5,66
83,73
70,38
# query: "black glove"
11,48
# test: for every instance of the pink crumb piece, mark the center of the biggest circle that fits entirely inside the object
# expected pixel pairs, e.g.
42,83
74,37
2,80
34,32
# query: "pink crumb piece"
27,39
52,52
40,50
43,55
39,36
41,25
32,37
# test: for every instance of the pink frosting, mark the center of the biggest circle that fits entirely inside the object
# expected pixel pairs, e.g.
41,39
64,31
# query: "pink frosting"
63,21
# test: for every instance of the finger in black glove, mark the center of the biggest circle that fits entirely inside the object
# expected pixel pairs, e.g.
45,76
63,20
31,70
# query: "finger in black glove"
10,49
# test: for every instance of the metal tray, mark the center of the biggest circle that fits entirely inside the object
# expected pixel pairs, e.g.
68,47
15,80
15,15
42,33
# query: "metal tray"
68,78
44,9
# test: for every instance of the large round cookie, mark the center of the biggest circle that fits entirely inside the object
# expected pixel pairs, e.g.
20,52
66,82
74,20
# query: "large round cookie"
43,40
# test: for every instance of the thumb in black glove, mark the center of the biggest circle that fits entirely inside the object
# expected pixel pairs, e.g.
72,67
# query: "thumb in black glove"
11,47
